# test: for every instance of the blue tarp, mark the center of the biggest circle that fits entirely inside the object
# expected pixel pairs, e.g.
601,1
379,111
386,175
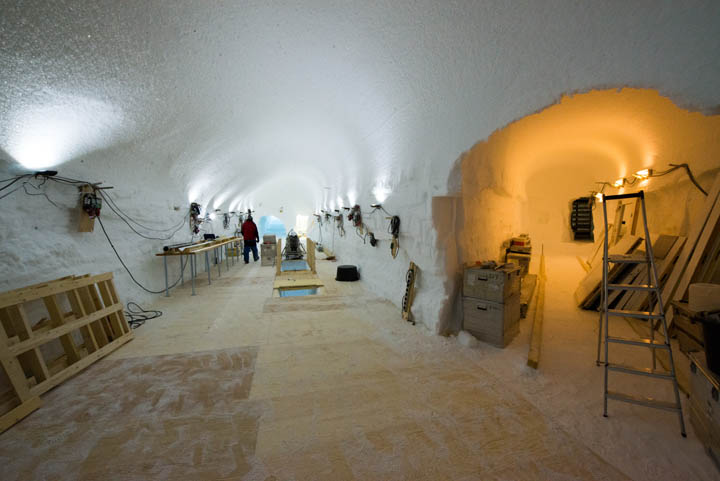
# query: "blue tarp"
294,265
298,292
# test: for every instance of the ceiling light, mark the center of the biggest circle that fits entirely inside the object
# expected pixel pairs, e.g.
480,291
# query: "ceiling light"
619,183
643,174
599,196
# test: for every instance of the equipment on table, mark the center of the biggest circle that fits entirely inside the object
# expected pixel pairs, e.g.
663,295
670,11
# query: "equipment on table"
656,311
209,236
347,273
176,246
293,248
581,218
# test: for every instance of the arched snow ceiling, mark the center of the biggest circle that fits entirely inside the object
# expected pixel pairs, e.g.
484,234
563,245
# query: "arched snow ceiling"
221,98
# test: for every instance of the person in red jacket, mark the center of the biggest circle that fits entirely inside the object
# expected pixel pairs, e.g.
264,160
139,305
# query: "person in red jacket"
250,239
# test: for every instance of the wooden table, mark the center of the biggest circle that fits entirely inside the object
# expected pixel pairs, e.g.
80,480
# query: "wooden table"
188,253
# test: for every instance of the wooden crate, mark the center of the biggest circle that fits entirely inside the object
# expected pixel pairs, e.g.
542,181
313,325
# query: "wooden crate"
492,322
704,405
490,284
81,317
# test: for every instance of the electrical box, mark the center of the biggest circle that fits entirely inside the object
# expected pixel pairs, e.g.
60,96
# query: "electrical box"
581,218
492,283
492,322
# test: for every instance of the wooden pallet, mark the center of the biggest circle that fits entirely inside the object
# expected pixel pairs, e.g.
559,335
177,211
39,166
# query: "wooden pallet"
35,322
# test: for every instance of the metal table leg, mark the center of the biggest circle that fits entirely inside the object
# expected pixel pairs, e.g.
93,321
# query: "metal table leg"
167,290
218,260
193,267
182,271
227,259
207,266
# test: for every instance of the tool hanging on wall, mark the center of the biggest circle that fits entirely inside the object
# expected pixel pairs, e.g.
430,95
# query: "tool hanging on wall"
409,296
339,221
195,220
394,230
226,221
355,216
373,240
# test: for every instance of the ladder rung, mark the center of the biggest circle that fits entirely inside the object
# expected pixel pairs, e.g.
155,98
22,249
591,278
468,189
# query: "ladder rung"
643,401
643,371
638,342
631,287
635,314
628,259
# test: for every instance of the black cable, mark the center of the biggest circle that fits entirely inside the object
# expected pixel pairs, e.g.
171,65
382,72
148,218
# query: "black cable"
128,270
108,198
394,227
11,183
138,316
42,192
179,226
692,177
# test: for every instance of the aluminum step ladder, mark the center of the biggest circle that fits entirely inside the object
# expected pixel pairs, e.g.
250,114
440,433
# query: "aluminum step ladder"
654,315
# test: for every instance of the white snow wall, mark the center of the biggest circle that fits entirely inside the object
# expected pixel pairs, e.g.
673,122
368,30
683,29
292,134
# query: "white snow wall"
169,102
40,241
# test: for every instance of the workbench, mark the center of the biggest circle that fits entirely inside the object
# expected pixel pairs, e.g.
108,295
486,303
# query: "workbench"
189,253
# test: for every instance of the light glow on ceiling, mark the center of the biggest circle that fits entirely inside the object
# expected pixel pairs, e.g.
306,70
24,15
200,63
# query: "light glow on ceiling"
56,128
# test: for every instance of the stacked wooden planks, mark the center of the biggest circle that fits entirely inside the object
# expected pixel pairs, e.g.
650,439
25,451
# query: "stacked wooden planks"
680,260
79,318
699,261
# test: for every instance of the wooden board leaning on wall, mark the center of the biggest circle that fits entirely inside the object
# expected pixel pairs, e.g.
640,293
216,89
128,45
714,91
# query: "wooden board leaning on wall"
81,317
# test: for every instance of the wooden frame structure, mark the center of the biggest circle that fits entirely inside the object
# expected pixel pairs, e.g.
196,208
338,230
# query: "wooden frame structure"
311,249
35,322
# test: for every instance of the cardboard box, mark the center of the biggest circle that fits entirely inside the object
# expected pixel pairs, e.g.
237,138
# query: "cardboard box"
492,322
492,284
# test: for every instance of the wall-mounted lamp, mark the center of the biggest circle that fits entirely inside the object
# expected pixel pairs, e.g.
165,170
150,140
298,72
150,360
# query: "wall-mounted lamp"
346,208
643,174
619,183
599,196
375,206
